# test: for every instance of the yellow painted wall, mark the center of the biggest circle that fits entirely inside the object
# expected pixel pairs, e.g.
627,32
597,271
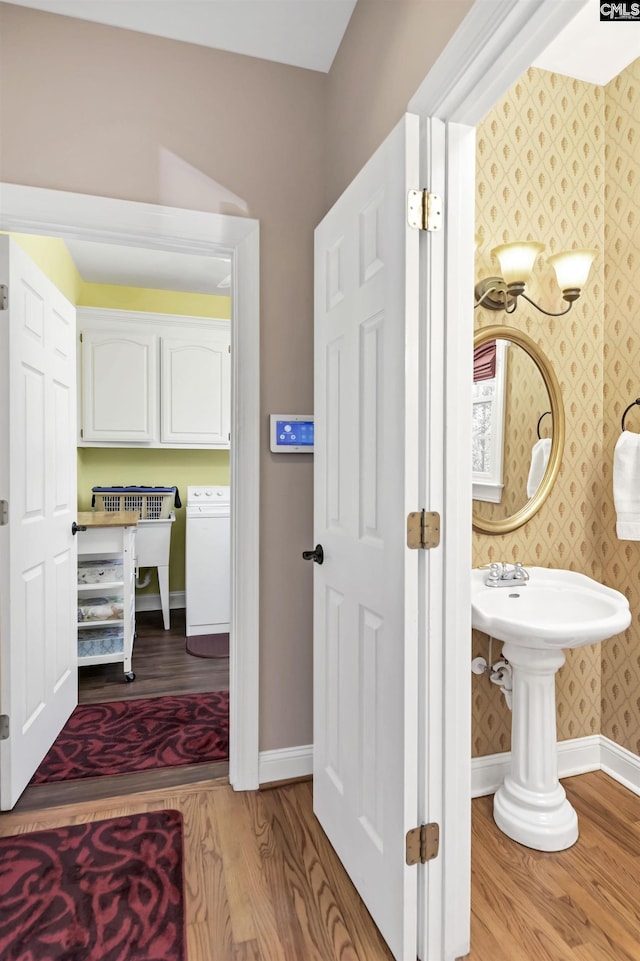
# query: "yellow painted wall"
154,301
53,258
171,466
101,467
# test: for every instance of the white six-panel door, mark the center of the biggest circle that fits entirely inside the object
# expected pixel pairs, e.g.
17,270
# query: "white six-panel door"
366,481
38,641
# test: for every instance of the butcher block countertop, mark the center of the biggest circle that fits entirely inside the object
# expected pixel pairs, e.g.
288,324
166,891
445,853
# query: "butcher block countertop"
107,518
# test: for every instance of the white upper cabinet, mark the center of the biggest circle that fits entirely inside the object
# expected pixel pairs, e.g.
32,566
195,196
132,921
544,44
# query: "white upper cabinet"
119,386
195,391
153,380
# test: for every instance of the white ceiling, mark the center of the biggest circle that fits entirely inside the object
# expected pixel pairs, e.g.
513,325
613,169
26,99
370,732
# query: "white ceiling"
156,269
302,33
590,50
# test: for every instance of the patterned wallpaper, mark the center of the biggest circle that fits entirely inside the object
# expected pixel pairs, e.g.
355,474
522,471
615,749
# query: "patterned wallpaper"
541,176
621,656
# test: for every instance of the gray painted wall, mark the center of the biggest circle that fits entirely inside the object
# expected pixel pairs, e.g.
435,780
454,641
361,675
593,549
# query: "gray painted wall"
93,109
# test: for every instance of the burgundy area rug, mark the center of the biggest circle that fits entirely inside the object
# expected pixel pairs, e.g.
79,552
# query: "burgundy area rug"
121,737
107,891
208,645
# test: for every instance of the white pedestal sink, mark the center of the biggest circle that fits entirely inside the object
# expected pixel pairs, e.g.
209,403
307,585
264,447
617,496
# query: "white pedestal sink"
536,620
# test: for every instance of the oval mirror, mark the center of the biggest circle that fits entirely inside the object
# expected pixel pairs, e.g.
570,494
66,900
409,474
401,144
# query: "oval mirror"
518,429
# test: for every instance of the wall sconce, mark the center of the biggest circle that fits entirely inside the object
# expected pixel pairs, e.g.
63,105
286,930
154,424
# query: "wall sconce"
516,265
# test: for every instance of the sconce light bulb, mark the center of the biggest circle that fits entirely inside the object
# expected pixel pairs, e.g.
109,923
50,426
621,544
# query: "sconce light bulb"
572,270
516,261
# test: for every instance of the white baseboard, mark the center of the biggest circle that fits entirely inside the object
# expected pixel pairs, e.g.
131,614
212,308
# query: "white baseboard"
151,602
288,762
621,764
575,756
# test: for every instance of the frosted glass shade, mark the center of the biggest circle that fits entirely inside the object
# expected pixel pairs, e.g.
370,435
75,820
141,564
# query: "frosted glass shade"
516,260
572,268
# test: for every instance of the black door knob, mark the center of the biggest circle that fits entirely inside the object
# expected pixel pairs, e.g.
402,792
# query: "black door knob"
316,555
77,527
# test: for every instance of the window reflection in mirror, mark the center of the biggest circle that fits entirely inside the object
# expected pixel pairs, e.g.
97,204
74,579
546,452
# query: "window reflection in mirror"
487,435
508,460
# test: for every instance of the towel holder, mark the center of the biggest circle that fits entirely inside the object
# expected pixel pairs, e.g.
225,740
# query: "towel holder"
632,404
544,415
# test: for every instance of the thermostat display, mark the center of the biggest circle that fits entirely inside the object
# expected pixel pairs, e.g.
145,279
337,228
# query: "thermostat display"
292,433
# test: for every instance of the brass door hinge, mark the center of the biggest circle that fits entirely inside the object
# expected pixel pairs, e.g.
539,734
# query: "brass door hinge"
423,843
423,530
424,210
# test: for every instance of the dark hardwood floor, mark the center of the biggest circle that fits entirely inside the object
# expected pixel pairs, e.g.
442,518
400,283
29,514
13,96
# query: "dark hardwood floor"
162,667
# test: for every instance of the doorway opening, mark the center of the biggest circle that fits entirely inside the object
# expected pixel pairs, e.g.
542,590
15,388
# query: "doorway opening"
234,240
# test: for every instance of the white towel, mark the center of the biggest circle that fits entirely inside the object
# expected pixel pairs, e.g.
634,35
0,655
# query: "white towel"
539,460
626,485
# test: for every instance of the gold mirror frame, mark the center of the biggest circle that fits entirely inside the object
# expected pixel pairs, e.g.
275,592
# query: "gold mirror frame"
543,364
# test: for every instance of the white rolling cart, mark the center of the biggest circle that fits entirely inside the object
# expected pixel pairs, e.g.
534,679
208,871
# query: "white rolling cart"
155,519
106,588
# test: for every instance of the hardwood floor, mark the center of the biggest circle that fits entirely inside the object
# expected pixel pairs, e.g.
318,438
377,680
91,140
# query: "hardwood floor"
263,883
582,904
162,667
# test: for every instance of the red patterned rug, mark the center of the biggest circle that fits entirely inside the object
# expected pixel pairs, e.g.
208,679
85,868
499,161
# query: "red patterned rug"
106,891
121,737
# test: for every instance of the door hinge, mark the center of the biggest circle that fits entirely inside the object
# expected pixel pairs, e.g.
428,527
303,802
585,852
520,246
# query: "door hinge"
423,530
4,727
80,336
424,210
82,432
423,843
4,296
4,513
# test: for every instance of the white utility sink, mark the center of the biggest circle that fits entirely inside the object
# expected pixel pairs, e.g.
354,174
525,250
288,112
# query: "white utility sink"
536,619
554,608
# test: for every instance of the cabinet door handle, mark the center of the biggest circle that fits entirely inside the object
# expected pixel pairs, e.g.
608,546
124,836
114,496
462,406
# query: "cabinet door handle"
77,527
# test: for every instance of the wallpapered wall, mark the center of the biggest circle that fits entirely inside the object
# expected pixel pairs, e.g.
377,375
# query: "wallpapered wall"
621,559
541,176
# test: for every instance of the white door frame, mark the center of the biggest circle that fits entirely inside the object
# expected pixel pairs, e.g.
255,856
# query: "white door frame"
495,44
55,213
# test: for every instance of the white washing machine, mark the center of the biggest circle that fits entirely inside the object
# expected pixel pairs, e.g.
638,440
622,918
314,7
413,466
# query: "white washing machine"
208,560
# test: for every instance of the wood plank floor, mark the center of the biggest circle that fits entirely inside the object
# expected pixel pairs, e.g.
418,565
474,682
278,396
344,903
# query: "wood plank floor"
582,904
162,667
263,884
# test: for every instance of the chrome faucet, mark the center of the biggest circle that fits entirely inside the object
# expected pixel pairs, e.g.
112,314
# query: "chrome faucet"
504,575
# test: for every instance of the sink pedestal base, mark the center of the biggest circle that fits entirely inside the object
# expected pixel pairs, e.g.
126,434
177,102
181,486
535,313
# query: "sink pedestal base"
531,806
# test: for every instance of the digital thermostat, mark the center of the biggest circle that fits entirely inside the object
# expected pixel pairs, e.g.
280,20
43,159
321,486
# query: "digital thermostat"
292,433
